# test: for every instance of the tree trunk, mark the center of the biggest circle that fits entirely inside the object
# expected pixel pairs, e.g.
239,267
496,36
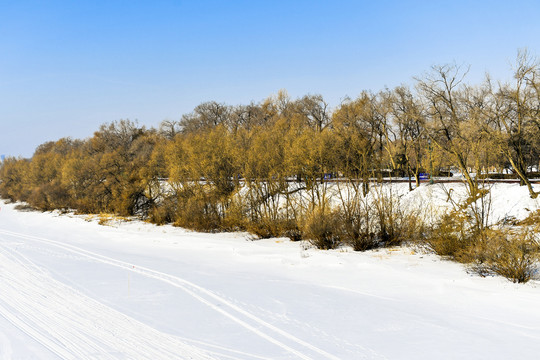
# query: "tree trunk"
523,178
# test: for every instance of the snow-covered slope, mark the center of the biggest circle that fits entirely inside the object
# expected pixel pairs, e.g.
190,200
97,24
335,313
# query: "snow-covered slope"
72,289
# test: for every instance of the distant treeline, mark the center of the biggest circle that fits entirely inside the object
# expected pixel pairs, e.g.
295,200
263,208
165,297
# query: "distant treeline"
230,166
268,168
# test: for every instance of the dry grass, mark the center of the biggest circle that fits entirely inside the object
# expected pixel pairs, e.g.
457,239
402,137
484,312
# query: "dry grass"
512,253
323,229
109,219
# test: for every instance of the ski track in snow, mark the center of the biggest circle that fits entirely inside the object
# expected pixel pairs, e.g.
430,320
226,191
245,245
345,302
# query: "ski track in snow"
286,341
74,326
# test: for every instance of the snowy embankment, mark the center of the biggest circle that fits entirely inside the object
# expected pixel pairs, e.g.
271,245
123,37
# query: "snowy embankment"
72,289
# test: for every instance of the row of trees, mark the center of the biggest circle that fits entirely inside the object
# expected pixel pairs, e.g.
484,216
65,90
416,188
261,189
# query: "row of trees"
223,167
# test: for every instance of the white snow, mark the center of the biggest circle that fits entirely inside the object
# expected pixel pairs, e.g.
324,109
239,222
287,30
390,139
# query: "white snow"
72,289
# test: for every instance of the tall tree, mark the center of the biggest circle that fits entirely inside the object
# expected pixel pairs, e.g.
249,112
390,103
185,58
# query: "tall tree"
411,125
442,89
515,114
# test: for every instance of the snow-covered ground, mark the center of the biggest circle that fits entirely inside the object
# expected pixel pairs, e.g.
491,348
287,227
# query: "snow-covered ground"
73,289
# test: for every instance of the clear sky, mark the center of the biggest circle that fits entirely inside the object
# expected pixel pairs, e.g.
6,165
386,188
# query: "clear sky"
68,66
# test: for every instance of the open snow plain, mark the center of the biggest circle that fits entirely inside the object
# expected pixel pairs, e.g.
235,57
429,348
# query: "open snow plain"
73,289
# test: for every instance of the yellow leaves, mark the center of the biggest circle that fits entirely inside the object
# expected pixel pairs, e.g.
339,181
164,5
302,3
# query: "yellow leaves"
264,158
312,153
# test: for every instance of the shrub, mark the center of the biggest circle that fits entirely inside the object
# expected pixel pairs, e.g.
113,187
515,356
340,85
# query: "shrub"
362,241
323,229
507,251
451,237
234,218
290,229
513,254
532,220
394,223
265,228
357,230
162,212
198,211
460,233
49,196
378,221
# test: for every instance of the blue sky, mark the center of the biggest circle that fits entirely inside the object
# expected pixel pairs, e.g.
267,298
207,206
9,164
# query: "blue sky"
68,66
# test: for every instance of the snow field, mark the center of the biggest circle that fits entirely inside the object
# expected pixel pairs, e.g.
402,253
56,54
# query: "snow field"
72,289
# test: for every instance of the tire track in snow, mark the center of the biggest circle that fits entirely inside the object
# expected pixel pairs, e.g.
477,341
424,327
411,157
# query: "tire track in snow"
201,294
20,259
17,256
74,326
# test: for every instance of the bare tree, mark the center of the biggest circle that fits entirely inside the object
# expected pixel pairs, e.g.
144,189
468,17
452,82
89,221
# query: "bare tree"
315,111
205,116
442,89
411,125
169,128
515,114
